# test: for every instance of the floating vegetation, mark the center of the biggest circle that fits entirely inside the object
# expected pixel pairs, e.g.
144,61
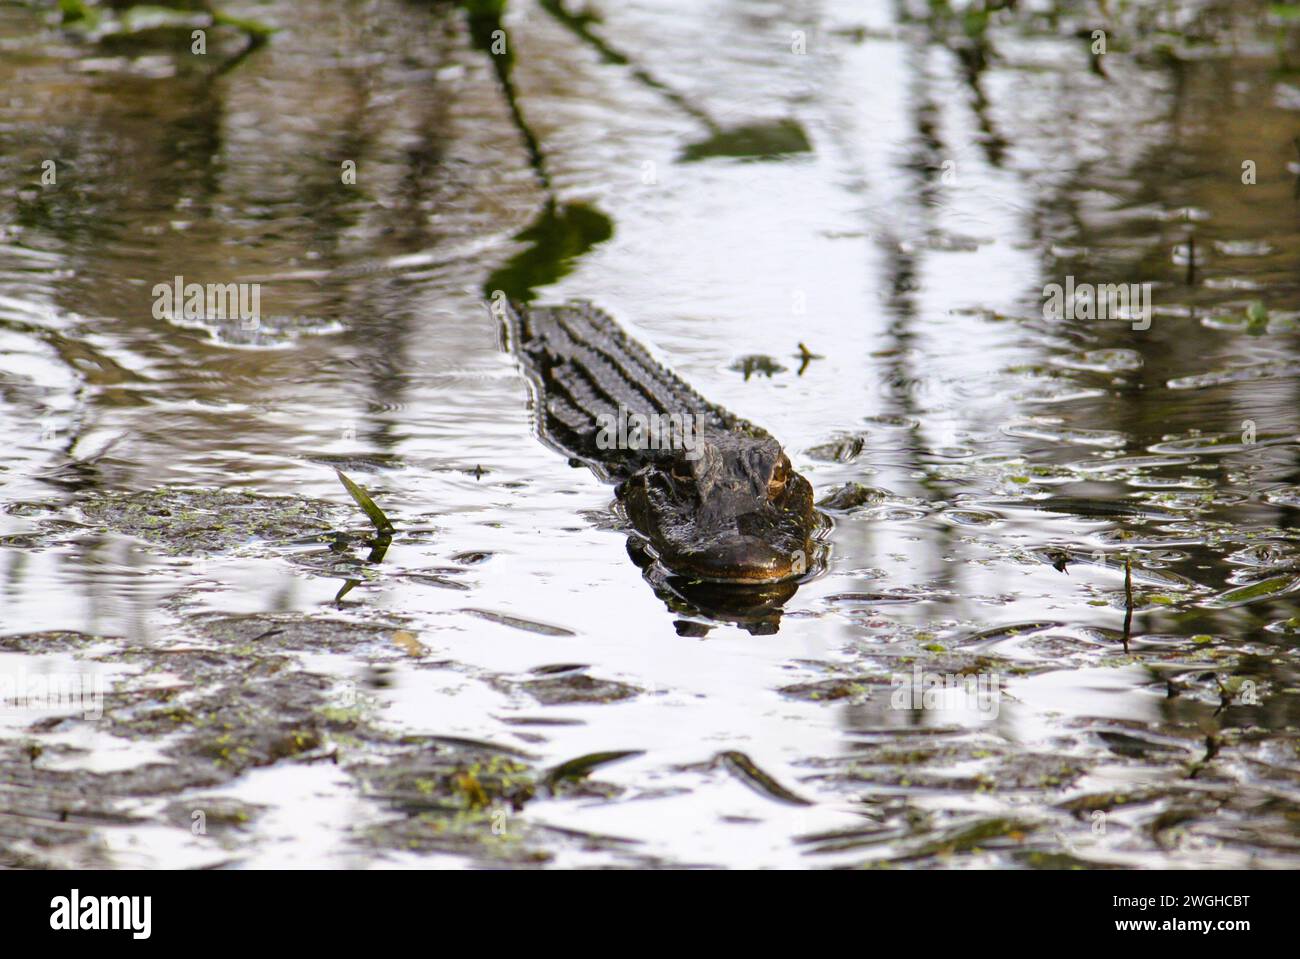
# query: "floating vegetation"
840,450
574,689
1266,589
757,365
198,522
852,496
1271,369
1102,361
748,772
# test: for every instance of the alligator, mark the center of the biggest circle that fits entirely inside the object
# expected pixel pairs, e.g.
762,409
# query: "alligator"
712,497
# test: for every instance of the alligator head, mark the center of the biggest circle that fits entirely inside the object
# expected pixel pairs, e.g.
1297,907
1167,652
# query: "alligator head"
730,509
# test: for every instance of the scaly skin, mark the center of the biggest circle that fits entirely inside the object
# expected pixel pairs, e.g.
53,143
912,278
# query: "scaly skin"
726,507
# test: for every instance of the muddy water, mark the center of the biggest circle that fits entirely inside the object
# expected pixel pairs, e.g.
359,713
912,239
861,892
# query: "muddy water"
503,685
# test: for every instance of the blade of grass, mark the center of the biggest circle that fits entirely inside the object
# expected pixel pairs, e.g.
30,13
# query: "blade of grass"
1128,599
257,32
382,524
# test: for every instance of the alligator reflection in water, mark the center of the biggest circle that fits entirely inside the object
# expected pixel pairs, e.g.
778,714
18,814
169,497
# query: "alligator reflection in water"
561,232
724,525
762,140
754,608
558,236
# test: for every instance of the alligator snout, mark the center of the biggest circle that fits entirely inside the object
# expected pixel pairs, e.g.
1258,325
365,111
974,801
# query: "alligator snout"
736,559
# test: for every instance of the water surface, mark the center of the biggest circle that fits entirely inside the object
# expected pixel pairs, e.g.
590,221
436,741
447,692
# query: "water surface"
895,197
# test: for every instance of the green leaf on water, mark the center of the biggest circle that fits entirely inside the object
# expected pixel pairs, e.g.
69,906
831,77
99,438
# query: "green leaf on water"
76,10
1264,589
1256,319
743,768
367,505
577,769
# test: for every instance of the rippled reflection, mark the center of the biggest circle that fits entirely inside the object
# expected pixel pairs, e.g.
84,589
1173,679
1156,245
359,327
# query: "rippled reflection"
837,220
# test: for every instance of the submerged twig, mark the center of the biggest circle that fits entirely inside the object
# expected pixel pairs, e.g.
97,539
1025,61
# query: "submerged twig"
1128,599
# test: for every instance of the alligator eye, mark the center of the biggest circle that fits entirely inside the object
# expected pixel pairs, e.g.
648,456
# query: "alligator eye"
776,484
